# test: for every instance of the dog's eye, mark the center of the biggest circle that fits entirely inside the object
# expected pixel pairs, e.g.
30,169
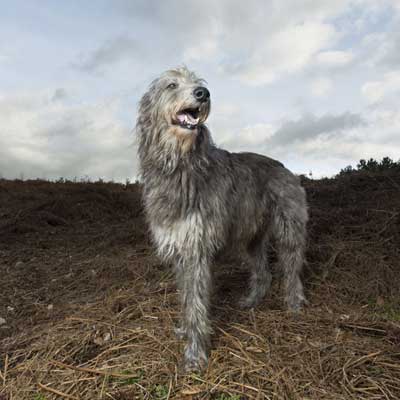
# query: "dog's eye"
172,85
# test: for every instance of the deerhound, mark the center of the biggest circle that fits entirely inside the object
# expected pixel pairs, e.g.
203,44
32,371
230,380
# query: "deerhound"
201,200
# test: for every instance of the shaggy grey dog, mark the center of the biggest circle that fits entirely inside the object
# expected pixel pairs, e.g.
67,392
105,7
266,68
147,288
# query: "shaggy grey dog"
201,200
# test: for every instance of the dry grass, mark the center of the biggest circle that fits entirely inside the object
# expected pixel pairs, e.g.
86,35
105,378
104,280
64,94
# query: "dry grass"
108,333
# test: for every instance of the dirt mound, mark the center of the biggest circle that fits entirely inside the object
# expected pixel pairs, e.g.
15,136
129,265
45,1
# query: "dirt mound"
33,206
88,311
355,234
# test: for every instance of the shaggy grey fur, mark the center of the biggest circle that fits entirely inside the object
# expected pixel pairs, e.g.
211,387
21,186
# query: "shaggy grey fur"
201,200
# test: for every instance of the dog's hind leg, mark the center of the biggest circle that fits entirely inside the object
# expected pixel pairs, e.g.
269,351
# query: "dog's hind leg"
291,241
260,278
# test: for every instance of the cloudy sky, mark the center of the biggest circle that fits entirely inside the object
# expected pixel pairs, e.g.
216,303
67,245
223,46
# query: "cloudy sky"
313,83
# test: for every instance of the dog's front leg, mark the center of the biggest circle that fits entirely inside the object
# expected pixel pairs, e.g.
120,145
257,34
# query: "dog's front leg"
195,286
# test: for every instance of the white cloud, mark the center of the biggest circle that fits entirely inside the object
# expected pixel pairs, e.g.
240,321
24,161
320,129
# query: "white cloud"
255,42
206,48
321,87
305,139
283,52
110,52
42,137
257,133
249,138
310,126
376,91
334,58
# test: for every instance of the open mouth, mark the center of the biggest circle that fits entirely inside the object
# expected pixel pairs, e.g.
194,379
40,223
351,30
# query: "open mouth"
188,118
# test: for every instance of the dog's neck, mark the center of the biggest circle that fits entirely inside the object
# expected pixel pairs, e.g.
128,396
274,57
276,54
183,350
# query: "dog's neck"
166,157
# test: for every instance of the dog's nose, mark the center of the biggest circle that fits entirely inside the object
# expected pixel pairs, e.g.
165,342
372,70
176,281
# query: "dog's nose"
201,94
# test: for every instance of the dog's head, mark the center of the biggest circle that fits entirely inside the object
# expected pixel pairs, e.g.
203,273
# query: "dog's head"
176,104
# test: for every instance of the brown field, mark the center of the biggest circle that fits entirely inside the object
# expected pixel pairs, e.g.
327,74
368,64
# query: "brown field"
88,311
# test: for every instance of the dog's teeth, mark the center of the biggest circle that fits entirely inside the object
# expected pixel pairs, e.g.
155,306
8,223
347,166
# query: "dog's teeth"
187,121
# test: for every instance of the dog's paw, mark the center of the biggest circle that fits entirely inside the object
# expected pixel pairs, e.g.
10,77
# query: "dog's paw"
295,304
194,361
248,302
192,366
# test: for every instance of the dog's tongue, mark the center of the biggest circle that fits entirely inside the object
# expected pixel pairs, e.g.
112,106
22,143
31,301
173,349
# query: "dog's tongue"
187,118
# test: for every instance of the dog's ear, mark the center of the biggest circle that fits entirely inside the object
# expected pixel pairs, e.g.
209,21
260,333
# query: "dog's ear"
143,121
145,112
145,103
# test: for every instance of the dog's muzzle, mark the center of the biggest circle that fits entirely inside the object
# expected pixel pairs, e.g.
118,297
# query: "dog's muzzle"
190,117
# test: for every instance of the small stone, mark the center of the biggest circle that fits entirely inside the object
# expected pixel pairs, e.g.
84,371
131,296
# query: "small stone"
19,264
107,336
2,321
10,309
50,307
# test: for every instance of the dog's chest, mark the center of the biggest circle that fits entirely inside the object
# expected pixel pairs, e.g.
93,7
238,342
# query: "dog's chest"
178,236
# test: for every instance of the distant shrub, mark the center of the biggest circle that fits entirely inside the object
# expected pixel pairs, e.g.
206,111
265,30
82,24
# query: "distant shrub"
372,165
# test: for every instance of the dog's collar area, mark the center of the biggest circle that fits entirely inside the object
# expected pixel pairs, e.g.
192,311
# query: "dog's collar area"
188,118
